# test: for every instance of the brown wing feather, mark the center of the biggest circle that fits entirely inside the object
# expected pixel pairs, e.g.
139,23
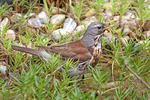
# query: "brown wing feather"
75,50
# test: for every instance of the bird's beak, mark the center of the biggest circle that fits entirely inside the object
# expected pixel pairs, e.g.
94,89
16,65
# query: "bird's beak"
107,27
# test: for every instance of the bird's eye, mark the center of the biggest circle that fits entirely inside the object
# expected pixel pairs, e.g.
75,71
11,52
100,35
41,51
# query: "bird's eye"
99,27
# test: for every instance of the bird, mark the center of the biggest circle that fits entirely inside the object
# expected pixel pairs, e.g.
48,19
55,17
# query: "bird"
86,50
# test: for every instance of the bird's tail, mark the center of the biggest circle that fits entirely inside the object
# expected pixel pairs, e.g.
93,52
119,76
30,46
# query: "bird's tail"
26,50
41,53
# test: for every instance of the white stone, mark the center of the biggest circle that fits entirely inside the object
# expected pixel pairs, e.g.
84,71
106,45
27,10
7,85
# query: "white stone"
116,18
57,19
43,16
3,24
80,28
58,33
69,25
3,69
148,6
36,22
130,15
10,34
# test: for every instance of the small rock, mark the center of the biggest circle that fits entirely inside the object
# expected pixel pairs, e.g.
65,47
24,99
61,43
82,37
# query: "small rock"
89,20
90,13
39,20
69,25
36,22
3,24
79,29
148,6
58,33
3,69
10,34
57,19
43,16
116,18
130,15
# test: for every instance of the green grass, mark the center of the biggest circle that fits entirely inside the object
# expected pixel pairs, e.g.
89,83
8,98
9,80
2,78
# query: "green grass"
34,79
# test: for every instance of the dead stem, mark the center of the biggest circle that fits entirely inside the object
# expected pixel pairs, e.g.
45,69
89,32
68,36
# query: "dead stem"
137,76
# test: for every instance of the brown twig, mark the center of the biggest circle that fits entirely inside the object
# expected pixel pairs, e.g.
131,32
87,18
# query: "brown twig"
137,76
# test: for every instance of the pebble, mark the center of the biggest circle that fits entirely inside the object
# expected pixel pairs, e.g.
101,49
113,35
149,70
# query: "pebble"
79,29
148,6
57,34
57,19
69,25
116,18
39,20
3,24
10,34
3,69
36,22
43,16
130,15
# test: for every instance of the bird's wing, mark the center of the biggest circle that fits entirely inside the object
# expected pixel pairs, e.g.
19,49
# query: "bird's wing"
75,50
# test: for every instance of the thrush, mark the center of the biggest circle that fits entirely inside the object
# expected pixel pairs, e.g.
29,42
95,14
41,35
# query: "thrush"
86,50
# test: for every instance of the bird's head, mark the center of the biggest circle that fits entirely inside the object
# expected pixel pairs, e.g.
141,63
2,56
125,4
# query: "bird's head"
94,29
